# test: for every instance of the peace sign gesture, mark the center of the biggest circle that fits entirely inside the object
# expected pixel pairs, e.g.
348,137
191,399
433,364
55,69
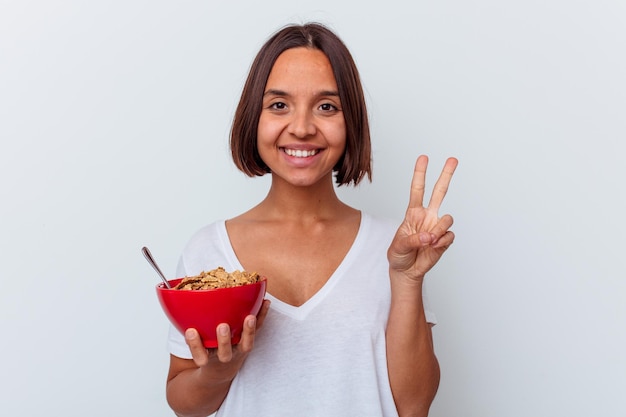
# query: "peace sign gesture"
423,236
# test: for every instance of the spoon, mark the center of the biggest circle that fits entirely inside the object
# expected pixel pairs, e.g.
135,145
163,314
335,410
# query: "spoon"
150,259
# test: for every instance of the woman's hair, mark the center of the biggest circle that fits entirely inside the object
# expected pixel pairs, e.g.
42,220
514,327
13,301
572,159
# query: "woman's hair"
355,163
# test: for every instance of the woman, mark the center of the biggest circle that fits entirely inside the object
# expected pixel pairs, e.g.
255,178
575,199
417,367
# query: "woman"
347,333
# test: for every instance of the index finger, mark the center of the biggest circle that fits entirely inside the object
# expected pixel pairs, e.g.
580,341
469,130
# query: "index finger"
442,184
198,351
418,183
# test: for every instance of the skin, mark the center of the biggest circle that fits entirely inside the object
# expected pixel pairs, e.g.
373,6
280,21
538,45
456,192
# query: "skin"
419,243
308,231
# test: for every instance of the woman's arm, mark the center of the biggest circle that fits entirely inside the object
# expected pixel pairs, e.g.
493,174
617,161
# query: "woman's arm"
419,243
192,394
413,367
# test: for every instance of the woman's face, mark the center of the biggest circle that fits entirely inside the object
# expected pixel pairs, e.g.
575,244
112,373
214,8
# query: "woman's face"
302,131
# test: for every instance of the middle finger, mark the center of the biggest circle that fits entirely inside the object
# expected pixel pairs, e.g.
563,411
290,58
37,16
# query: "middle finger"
224,348
442,184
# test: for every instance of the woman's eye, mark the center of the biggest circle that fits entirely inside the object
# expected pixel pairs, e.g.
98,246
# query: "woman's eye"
278,106
327,107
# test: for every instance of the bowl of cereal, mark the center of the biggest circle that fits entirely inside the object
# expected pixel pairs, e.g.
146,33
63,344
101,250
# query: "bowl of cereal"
213,297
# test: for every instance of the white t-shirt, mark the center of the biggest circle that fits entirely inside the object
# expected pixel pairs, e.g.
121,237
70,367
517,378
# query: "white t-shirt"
324,358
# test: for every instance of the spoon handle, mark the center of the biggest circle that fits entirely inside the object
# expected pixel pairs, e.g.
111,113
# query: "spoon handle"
150,259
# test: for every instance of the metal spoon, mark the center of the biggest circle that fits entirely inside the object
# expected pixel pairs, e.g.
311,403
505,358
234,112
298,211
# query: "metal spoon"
150,259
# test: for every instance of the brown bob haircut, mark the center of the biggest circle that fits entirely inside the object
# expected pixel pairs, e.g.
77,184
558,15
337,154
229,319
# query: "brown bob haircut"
355,163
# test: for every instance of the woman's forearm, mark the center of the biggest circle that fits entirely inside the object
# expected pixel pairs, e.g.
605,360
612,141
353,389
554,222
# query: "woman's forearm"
411,361
189,394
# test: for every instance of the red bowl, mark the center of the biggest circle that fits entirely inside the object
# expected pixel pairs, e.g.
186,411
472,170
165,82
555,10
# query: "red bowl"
204,310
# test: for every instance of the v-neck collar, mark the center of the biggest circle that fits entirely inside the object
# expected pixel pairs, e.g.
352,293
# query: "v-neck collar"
302,311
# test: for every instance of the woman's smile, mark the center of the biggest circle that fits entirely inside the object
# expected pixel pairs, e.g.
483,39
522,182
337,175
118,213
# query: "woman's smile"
300,153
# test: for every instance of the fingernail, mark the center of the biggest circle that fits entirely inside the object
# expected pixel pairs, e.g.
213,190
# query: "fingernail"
223,330
190,334
425,237
252,323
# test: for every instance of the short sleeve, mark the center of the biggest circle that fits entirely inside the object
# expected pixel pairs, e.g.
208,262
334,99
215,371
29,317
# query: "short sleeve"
430,314
176,344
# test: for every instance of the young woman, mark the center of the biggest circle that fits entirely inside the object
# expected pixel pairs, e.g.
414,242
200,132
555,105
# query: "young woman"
344,330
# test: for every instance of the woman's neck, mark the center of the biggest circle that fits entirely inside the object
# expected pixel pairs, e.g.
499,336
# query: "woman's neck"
287,202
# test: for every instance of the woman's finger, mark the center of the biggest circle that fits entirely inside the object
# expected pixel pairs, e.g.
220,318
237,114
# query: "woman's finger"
442,226
198,351
418,183
247,334
442,184
444,241
224,347
260,318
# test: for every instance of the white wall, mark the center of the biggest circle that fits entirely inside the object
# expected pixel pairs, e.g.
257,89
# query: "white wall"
114,119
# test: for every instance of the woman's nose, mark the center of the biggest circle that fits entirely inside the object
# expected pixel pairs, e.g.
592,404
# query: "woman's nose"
302,125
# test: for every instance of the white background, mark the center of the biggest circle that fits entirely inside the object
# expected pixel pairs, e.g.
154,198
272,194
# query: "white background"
114,118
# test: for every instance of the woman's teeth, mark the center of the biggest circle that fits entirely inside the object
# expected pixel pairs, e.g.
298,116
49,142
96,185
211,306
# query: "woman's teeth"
299,153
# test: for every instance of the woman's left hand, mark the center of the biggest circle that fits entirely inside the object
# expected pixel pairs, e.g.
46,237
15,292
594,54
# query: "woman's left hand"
423,236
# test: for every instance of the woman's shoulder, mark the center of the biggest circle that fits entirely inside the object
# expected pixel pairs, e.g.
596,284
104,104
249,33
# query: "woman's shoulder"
377,224
208,235
204,248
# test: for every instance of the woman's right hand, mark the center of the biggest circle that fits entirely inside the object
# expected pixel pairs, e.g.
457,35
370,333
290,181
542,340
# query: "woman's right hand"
197,386
225,361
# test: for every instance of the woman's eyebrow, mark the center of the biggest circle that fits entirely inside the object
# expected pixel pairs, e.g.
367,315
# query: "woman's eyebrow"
274,92
281,93
326,93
